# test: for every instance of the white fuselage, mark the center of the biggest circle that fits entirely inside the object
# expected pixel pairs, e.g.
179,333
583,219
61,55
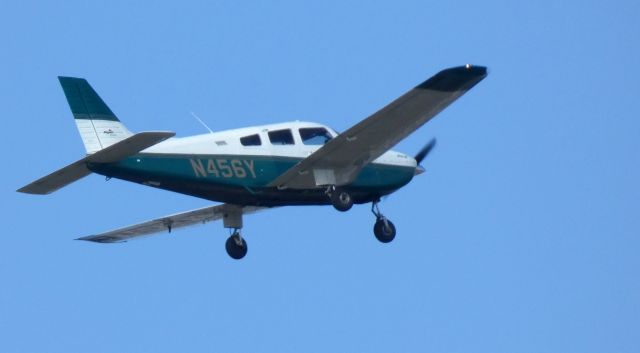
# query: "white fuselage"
228,143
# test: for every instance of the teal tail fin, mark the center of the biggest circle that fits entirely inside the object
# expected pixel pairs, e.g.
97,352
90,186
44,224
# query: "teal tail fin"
99,127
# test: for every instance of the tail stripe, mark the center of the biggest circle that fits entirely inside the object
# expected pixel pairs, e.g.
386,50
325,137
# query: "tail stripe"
98,125
85,103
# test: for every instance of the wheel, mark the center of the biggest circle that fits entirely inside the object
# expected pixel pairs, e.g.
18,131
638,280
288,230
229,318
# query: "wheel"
384,231
236,246
341,200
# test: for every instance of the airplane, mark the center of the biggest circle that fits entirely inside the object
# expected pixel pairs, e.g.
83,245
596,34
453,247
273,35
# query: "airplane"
259,167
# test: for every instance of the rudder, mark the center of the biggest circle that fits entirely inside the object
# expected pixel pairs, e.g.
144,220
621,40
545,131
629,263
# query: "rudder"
98,125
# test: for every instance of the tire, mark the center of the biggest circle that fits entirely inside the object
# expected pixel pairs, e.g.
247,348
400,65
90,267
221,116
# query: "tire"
234,250
341,200
385,233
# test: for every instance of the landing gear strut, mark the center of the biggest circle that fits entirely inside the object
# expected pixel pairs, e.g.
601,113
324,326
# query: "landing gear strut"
341,200
383,229
236,245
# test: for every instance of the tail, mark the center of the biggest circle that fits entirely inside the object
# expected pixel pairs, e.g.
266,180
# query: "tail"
105,138
98,125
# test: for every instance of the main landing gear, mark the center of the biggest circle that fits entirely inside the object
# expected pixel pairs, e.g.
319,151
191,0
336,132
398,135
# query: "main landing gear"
236,245
340,199
383,229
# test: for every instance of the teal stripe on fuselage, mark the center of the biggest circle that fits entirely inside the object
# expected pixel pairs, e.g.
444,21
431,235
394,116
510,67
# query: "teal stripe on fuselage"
244,170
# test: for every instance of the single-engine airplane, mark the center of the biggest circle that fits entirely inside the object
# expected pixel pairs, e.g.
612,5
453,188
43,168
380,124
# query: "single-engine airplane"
255,168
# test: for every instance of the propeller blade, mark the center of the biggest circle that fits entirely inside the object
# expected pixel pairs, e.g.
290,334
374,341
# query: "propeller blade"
425,150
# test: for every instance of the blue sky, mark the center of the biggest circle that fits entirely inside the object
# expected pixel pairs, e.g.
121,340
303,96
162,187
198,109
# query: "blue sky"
521,237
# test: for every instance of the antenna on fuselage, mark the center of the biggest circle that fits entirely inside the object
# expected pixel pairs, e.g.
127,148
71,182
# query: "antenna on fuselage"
201,122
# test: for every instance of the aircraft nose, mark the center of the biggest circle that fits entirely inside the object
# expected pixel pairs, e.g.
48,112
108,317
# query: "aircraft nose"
419,170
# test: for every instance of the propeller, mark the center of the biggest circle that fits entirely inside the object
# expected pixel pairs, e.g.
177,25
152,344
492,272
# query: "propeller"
419,157
425,150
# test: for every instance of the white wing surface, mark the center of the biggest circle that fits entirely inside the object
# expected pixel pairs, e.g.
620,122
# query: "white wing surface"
169,223
340,160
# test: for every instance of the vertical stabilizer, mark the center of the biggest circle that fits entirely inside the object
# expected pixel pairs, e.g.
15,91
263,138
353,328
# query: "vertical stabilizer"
98,126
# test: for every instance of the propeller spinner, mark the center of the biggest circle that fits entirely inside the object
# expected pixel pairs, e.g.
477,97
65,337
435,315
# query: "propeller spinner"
422,154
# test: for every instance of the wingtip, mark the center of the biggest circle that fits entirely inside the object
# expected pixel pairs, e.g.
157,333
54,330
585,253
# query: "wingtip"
468,70
101,239
455,78
479,69
28,190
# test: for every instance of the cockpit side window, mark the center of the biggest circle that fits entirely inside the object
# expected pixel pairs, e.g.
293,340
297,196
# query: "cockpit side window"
281,137
315,135
251,140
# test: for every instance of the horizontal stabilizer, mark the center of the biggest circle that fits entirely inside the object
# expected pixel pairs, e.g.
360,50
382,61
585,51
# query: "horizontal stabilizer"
79,170
129,146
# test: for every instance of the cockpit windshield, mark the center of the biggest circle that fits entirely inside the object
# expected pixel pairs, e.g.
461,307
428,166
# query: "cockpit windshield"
315,135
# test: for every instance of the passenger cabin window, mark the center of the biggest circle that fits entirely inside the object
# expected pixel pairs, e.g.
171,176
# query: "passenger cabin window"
281,137
251,140
315,135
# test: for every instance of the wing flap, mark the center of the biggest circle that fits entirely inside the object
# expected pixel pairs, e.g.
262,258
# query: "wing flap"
350,151
169,223
78,170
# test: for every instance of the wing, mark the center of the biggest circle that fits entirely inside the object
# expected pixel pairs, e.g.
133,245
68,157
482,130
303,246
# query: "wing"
340,160
168,223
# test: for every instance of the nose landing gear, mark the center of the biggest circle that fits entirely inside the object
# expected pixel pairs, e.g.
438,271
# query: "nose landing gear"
383,229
